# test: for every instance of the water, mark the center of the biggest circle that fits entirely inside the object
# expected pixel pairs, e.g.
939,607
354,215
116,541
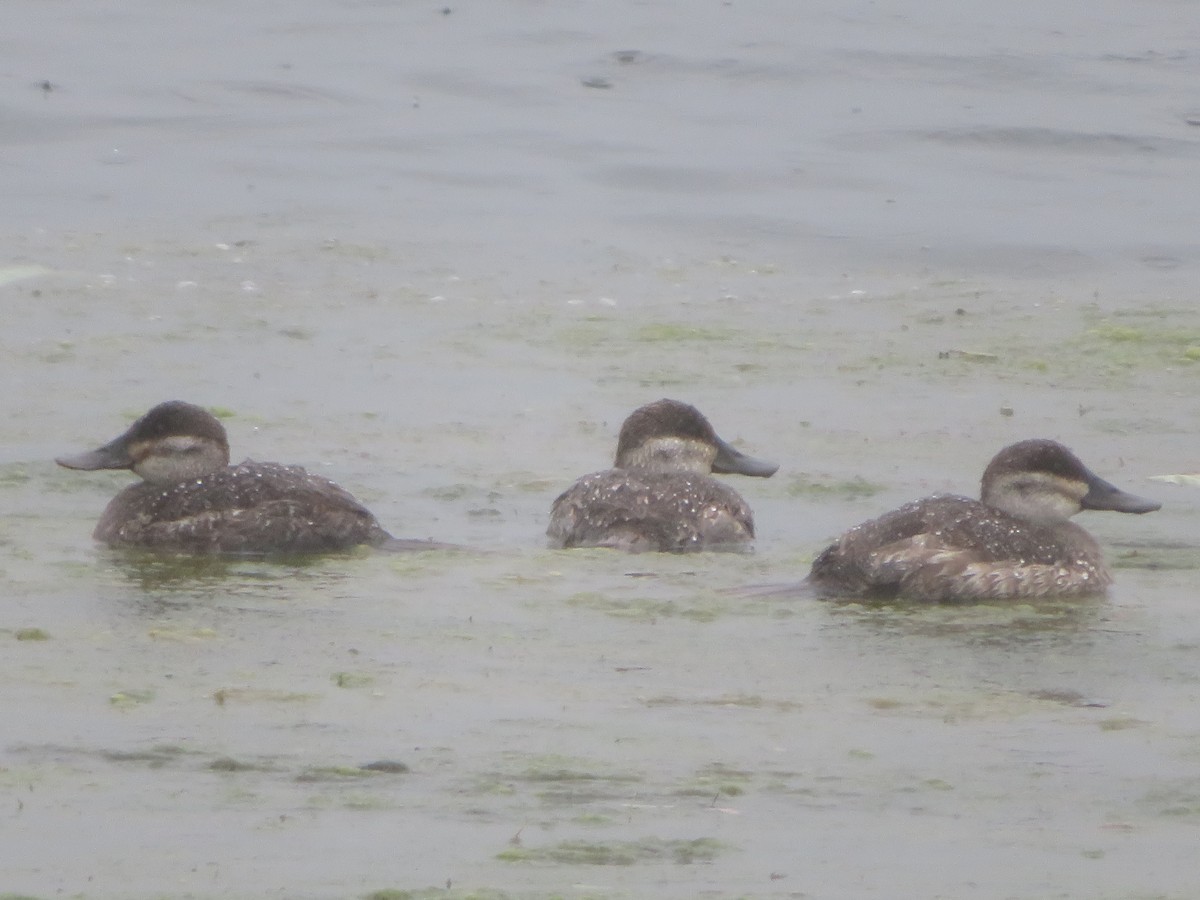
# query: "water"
438,256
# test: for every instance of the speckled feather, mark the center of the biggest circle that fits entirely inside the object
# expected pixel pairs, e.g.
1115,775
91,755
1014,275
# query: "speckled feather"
659,495
650,511
953,548
248,508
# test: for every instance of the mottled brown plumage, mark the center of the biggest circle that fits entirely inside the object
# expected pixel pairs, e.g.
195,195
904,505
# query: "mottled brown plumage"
1017,542
249,508
646,511
659,496
193,501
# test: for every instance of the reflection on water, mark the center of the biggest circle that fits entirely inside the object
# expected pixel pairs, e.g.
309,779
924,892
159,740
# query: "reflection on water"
150,572
212,587
998,624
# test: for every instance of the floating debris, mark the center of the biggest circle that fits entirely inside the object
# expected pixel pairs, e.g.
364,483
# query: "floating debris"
968,355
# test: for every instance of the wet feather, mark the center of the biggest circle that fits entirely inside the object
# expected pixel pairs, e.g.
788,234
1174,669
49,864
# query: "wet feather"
1019,543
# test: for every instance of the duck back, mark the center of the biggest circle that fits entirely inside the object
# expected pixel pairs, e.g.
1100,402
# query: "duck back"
949,548
250,508
642,511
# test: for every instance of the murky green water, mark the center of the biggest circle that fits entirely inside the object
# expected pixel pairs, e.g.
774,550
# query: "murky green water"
438,257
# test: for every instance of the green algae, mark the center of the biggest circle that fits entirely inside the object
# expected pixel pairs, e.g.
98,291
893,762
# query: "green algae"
157,757
387,767
1118,334
660,379
616,336
746,701
616,853
853,662
673,332
315,774
182,634
222,696
1120,723
561,775
818,487
596,820
715,780
558,780
450,492
647,609
558,769
1175,798
14,474
1143,343
131,698
356,251
352,679
493,786
229,764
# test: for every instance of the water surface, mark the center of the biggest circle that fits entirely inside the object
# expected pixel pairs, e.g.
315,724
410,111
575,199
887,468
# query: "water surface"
438,253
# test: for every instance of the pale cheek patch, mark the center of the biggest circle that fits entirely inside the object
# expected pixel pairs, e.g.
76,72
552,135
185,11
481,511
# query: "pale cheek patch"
175,459
1037,496
139,451
671,454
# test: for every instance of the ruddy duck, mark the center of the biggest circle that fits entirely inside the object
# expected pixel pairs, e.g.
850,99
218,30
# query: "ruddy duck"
659,496
192,500
1017,542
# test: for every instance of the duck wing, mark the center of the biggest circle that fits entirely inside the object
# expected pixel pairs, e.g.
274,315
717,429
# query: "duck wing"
948,548
248,508
650,511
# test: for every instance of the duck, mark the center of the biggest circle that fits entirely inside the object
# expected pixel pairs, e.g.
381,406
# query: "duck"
660,496
1015,542
192,500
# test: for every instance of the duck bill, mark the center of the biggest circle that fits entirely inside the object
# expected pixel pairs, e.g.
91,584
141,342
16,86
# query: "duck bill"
113,455
731,461
1102,495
